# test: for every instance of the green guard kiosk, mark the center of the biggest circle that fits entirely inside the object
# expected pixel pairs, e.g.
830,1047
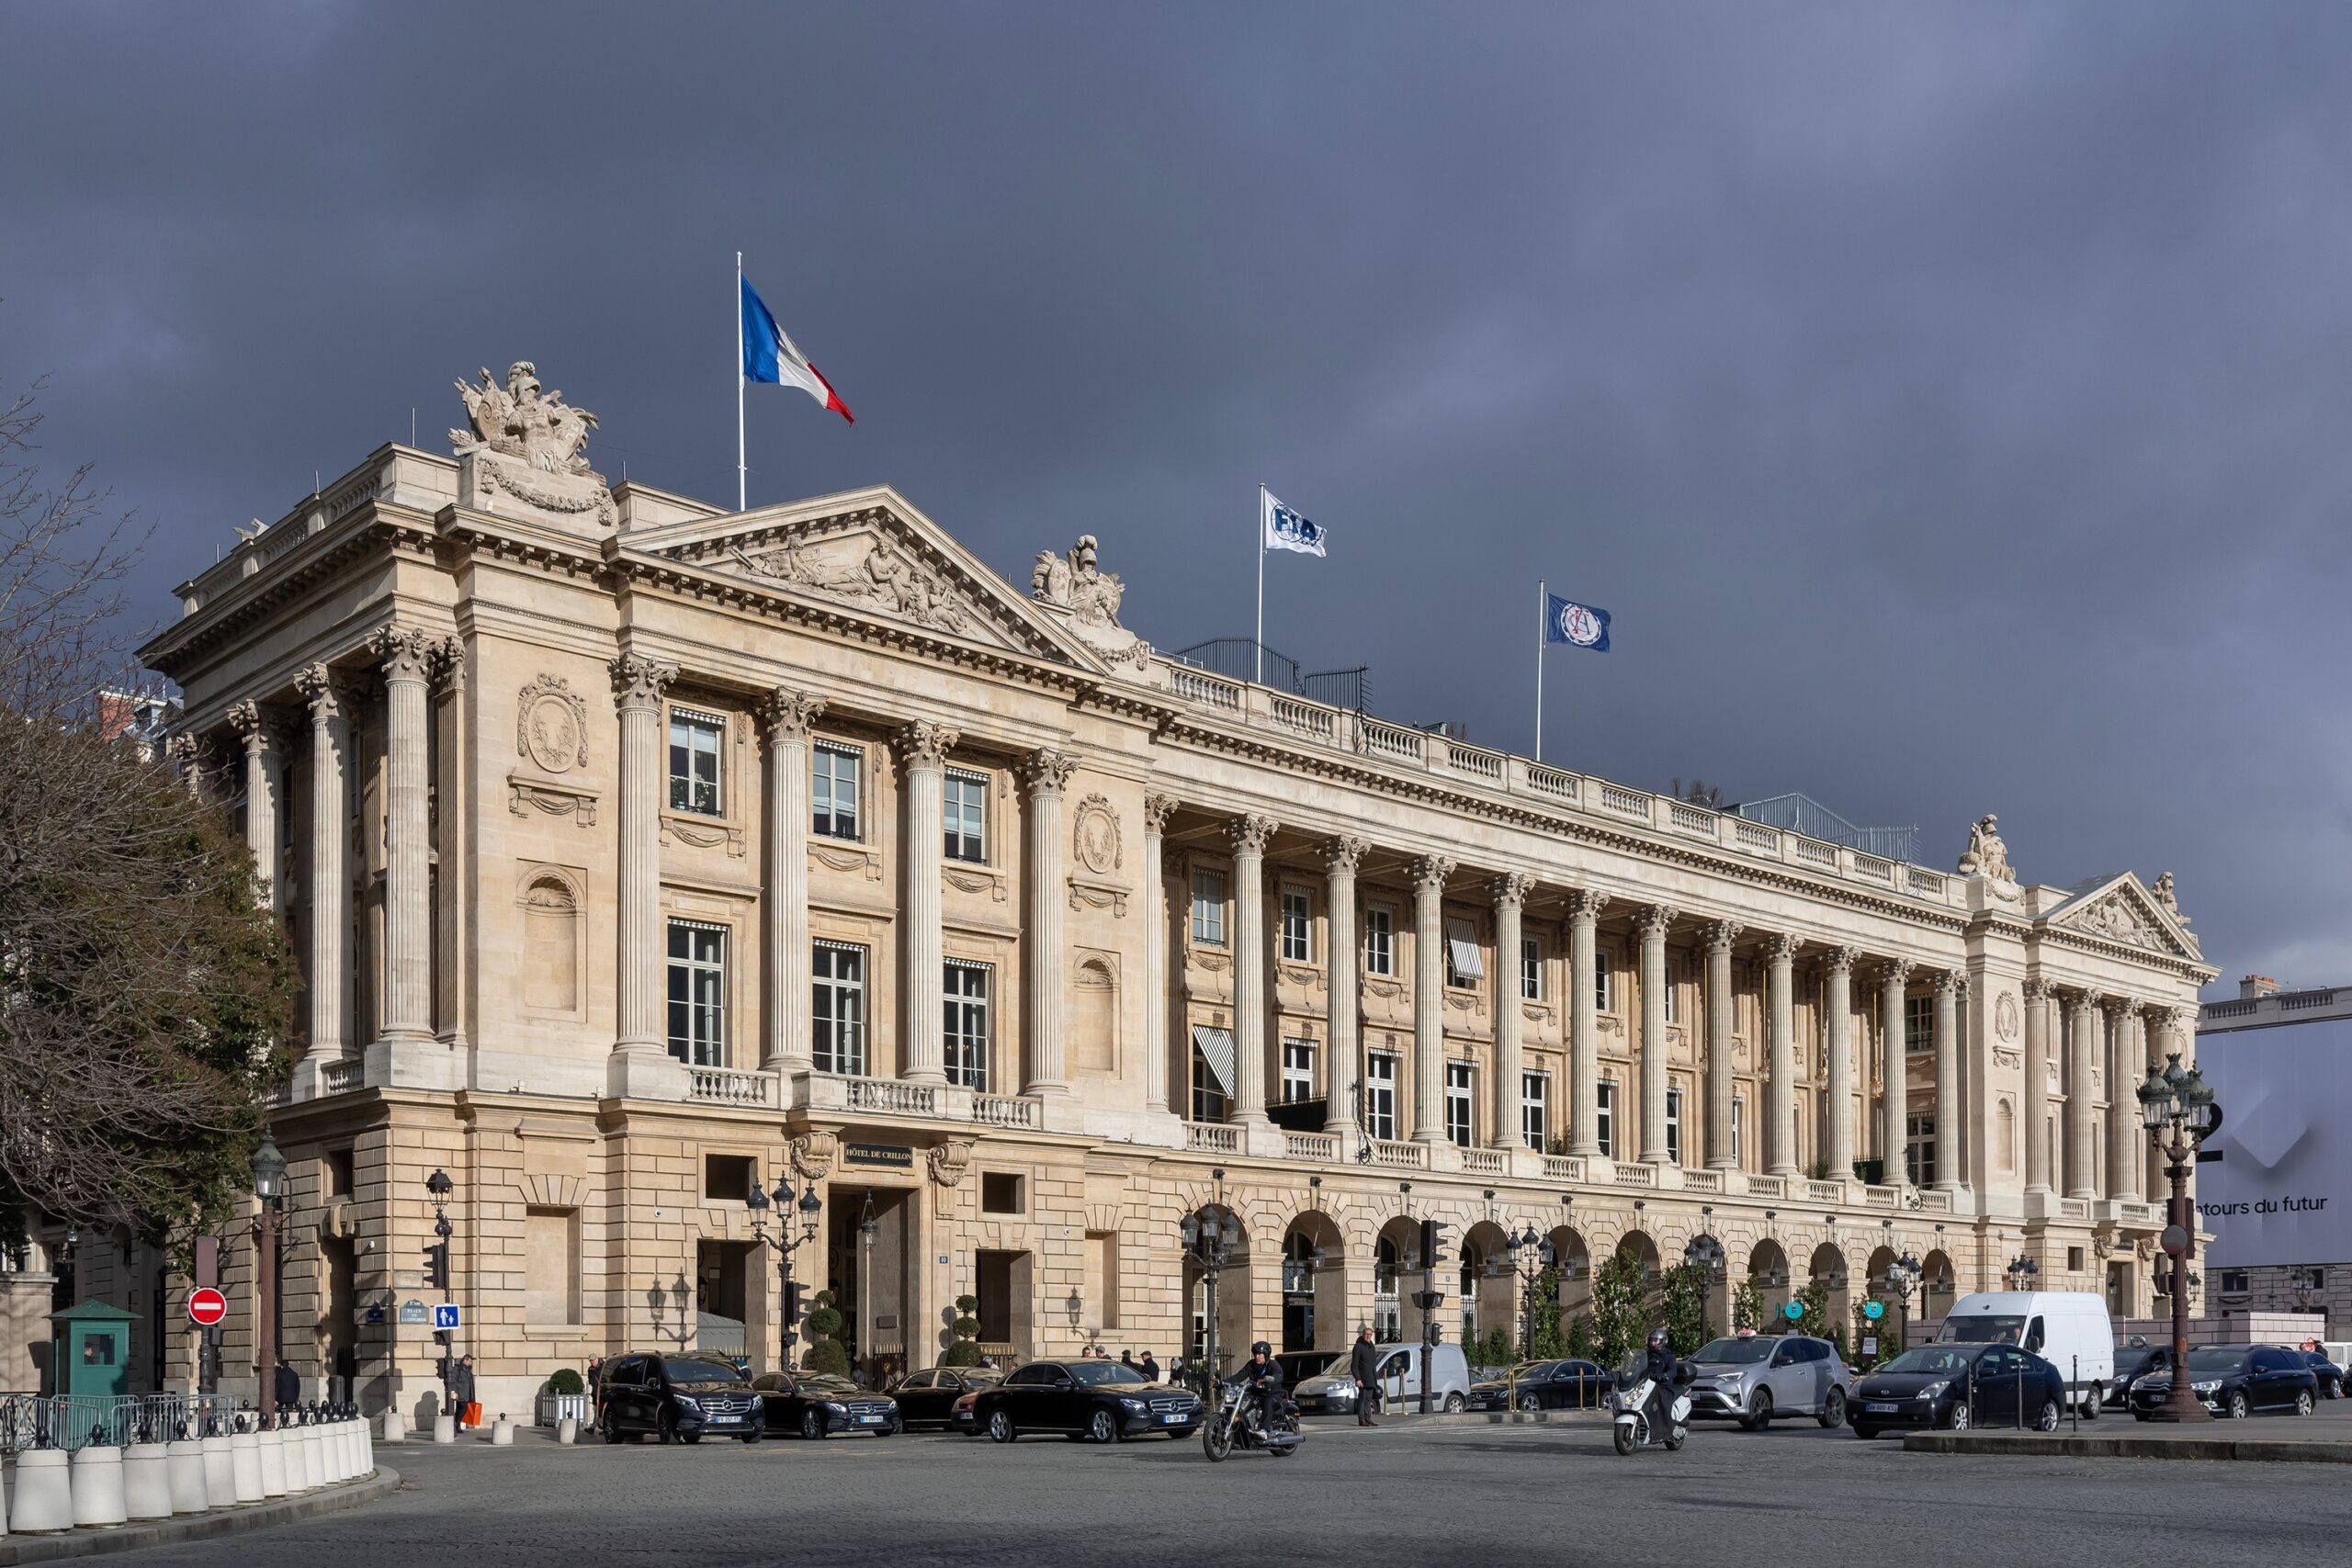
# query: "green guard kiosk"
93,1343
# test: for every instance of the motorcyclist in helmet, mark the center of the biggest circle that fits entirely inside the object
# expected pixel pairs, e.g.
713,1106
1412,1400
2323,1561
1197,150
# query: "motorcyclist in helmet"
1658,1365
1261,1384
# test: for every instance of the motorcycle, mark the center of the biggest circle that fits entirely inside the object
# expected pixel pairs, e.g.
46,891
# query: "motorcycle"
1632,1422
1226,1430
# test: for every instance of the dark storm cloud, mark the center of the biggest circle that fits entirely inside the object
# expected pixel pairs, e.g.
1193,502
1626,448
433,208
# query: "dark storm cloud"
1947,402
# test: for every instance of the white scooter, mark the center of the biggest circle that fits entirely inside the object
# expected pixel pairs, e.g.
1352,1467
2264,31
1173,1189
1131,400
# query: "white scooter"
1633,1413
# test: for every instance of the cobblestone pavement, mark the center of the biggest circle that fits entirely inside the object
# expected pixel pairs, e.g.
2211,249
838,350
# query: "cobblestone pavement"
1437,1493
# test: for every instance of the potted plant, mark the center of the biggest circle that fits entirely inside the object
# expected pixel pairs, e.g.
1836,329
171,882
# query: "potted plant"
826,1353
564,1393
966,1351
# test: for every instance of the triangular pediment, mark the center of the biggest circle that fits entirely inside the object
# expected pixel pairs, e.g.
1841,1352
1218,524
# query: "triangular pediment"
2119,909
872,555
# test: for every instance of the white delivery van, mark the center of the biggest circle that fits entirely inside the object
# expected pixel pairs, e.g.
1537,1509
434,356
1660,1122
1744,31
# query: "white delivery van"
2069,1329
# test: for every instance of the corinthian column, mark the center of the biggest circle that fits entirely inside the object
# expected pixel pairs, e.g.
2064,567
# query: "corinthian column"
1511,898
1429,873
1895,1082
1249,835
1342,855
2124,1075
2082,1163
2036,1107
1654,922
263,783
1837,985
922,954
1951,1116
327,884
1047,773
1584,1060
785,715
407,655
1721,1019
1780,1094
1157,810
637,684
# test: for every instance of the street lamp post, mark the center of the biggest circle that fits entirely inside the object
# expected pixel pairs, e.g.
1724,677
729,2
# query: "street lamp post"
2177,1107
1706,1254
1530,1257
2022,1272
1902,1277
1210,1236
783,1243
439,1185
269,1186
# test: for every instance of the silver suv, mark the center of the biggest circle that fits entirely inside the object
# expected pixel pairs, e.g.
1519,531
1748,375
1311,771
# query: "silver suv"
1753,1378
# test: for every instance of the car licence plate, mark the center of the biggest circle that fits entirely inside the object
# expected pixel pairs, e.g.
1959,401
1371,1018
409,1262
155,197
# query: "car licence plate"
1878,1409
1177,1419
869,1420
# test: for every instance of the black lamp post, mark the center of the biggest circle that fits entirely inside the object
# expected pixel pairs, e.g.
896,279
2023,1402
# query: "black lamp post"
438,1186
1210,1235
783,1243
2022,1272
2178,1109
1902,1277
269,1186
1530,1257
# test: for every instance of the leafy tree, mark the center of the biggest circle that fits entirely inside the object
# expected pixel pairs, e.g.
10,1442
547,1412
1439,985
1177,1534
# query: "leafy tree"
1682,1299
1579,1337
965,1351
1547,1341
1493,1349
1620,1309
826,1352
1816,1297
1747,1305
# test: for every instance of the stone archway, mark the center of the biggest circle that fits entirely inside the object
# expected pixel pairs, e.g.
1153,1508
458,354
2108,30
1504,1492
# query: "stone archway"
1829,1272
1235,1321
1717,1296
1575,1262
1314,1285
1939,1286
1487,1289
1768,1271
1396,1254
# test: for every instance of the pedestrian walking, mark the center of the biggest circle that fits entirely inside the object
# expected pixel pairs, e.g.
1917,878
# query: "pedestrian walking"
286,1388
1148,1368
461,1392
1363,1366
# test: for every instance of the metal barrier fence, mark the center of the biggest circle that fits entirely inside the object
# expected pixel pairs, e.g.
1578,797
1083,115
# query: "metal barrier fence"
79,1421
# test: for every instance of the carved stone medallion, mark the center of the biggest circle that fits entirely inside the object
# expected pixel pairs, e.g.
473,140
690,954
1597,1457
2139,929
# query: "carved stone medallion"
2005,1016
551,724
1094,836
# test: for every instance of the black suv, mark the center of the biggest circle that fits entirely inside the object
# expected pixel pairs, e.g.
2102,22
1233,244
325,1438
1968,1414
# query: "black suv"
679,1397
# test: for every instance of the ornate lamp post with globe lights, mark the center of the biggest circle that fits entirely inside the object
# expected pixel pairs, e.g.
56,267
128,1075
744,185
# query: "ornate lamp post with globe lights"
1211,1235
2178,1108
783,1243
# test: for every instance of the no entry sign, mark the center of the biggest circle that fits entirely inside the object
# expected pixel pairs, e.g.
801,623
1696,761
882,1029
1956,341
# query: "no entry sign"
207,1307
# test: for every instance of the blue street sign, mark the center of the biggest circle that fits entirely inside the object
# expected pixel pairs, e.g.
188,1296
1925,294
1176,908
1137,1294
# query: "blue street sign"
1794,1311
1874,1309
445,1315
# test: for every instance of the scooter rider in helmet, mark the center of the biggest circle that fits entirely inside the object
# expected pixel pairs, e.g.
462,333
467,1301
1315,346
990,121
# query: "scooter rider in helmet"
1261,1385
1658,1365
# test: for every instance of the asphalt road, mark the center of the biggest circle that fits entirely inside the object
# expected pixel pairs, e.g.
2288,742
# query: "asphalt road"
1444,1493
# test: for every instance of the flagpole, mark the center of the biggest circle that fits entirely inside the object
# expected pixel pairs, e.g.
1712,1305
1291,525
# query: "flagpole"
1257,648
742,504
1543,613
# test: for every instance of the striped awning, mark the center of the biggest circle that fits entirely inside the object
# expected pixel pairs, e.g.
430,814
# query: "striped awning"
1215,1046
1462,949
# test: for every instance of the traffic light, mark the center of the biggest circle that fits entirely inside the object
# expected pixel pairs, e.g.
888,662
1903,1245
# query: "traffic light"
436,1265
1432,1243
793,1307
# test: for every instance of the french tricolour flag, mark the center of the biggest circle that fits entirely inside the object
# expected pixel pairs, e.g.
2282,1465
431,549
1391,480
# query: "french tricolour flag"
771,356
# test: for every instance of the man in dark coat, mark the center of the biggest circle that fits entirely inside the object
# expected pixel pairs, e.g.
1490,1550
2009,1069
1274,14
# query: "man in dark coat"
286,1388
461,1386
1148,1368
1363,1366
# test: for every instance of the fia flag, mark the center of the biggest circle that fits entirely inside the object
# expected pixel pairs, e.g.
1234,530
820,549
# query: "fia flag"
1578,626
771,356
1285,529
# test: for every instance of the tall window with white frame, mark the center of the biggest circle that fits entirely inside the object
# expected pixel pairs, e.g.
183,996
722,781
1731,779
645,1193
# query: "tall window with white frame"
1919,1023
1380,1095
1379,940
1536,1110
1670,990
698,993
1208,907
696,741
1298,926
964,809
1738,1118
1459,1104
837,1008
966,1036
1298,1071
1388,1305
1920,1150
1603,993
1208,1088
1604,1116
1531,969
1674,1126
833,775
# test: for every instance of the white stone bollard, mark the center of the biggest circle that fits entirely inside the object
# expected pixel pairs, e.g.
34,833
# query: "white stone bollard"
185,1460
44,1500
445,1427
273,1463
368,1448
339,1445
98,1486
244,1464
219,1479
395,1426
568,1430
501,1432
303,1476
147,1481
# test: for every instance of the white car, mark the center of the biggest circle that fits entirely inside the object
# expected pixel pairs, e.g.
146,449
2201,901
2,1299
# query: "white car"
1400,1383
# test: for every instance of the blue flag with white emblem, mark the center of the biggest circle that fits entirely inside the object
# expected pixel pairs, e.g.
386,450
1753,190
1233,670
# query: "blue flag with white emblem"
1285,529
1577,625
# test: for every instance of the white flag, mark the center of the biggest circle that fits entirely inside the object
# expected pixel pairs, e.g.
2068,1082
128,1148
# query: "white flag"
1285,529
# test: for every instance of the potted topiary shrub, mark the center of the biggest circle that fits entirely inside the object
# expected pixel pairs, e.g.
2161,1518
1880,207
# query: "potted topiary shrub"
966,1351
564,1393
826,1352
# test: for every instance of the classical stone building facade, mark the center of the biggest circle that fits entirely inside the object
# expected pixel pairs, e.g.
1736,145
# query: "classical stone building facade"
638,850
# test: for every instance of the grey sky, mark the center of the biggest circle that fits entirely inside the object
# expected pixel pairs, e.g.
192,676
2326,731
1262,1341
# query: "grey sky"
1948,402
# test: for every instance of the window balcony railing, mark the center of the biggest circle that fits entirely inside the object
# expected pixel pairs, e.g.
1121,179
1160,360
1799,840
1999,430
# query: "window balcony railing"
1212,1137
731,1086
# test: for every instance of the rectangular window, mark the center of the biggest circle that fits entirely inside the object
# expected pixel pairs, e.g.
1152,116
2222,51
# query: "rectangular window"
964,806
837,1008
1299,933
1379,940
833,773
1602,995
1604,1117
1298,1070
1738,1125
1464,964
1208,908
1670,990
1536,1110
966,1043
1674,1126
1457,1103
2235,1283
552,1270
1918,1024
1531,969
1380,1096
698,993
695,742
726,1178
1000,1194
1208,1090
1920,1150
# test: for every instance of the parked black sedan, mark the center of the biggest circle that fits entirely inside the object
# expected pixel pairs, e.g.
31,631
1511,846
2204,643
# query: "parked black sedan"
2237,1380
676,1398
1958,1386
2131,1366
1545,1386
928,1398
1098,1400
815,1405
2330,1375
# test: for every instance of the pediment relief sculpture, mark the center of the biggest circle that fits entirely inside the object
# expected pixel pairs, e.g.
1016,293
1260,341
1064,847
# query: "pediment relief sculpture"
872,573
2118,917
